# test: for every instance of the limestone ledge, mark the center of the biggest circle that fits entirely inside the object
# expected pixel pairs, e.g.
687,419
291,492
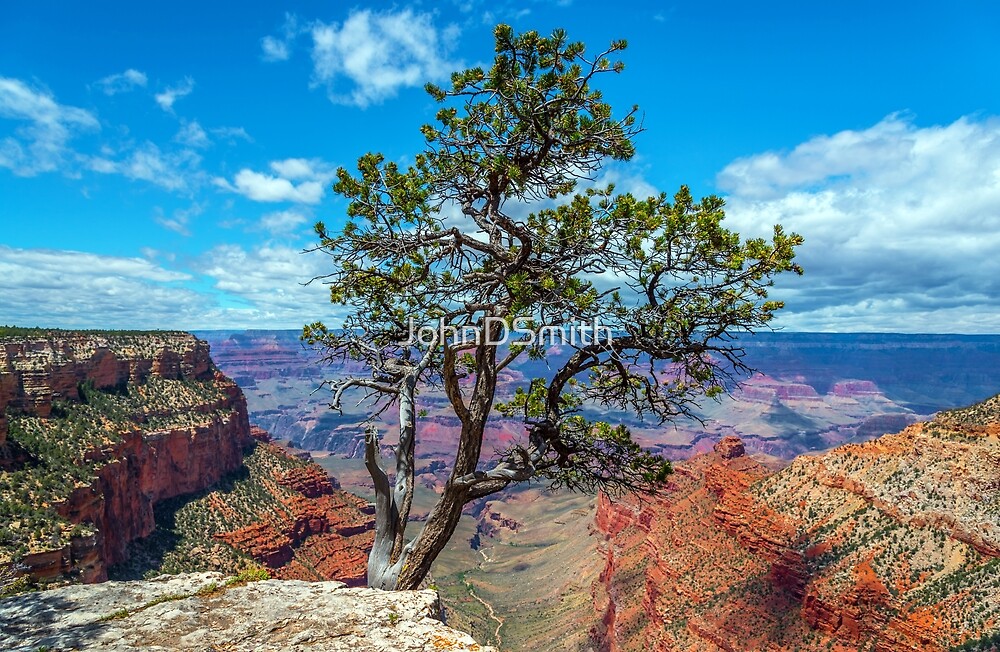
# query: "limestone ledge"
198,611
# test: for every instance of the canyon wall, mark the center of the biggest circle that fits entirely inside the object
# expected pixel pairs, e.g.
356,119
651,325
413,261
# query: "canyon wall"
181,442
100,431
887,545
283,511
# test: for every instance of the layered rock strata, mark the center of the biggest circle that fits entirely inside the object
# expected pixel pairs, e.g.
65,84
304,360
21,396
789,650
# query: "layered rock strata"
102,427
887,545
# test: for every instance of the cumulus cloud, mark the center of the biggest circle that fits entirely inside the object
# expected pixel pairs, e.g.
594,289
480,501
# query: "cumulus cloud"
282,221
272,280
260,287
296,180
84,290
167,98
279,48
122,82
371,55
40,142
901,225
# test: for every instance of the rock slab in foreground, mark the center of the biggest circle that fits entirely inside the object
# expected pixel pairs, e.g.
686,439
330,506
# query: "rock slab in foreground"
167,613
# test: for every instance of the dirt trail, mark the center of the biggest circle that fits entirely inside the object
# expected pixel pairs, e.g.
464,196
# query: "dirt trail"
489,607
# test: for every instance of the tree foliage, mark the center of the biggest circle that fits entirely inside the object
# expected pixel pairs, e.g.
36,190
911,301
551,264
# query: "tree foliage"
491,229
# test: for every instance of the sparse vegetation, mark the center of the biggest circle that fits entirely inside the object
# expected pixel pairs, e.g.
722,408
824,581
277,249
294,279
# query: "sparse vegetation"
184,540
249,574
114,615
65,451
38,331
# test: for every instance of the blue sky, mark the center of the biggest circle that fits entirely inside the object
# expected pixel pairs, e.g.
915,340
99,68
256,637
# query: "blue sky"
161,164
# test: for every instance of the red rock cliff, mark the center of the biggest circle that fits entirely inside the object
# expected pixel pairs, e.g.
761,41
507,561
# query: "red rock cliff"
304,526
887,545
135,465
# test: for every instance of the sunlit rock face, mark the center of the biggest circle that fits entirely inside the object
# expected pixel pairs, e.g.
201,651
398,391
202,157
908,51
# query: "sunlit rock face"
891,544
205,611
102,429
143,417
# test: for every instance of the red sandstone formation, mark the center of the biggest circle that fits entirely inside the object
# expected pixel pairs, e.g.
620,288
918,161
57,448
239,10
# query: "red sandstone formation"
730,447
314,530
144,466
889,545
34,371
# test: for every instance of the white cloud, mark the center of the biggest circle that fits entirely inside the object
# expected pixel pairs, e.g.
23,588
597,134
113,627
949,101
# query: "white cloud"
299,168
74,289
282,221
312,176
176,171
369,57
280,49
261,287
273,49
41,143
167,98
192,134
122,82
264,187
272,281
901,225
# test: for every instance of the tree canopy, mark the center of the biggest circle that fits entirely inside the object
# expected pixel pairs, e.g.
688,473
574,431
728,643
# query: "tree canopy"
501,227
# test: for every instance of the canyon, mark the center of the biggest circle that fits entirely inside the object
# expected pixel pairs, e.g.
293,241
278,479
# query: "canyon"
891,544
813,391
127,455
102,432
532,569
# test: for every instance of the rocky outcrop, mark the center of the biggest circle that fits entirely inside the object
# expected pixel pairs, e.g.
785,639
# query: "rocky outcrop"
37,370
491,520
203,611
135,475
661,559
182,440
278,508
730,447
307,527
887,545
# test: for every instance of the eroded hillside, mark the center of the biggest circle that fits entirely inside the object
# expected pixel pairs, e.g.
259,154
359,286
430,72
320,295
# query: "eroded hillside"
98,428
107,438
279,509
891,544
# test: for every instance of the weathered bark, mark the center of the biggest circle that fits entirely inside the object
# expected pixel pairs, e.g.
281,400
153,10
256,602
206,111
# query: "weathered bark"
392,505
403,492
433,537
382,572
444,518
